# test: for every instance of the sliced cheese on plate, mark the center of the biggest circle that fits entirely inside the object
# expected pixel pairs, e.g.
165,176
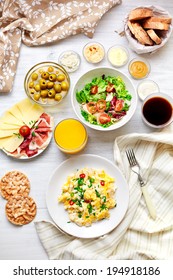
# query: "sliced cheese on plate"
33,114
9,132
10,119
15,112
24,105
13,143
3,140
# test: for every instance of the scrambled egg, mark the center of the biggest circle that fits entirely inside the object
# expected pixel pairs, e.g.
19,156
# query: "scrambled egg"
88,195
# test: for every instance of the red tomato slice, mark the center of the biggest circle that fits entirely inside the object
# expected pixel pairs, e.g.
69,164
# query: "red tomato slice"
24,130
110,88
101,105
94,90
91,107
104,118
119,105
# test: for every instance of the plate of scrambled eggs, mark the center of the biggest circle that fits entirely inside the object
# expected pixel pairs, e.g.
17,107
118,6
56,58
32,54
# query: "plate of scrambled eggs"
87,196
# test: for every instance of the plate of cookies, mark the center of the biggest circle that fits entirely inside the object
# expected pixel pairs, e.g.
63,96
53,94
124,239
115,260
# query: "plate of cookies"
20,208
148,28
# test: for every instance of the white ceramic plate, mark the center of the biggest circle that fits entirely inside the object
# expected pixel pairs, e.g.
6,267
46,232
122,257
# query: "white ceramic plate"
97,72
60,215
40,151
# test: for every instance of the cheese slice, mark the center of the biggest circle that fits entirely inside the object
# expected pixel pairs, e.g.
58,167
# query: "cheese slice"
7,126
15,112
13,143
8,118
33,114
24,105
3,141
9,132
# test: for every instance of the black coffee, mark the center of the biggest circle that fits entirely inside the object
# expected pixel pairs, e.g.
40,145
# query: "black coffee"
157,110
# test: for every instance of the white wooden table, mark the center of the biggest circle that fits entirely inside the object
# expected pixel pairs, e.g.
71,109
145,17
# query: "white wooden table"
23,242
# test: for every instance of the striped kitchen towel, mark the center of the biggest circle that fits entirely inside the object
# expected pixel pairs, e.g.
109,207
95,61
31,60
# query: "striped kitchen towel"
138,236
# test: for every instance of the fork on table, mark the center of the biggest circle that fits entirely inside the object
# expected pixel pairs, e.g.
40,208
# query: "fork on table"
135,167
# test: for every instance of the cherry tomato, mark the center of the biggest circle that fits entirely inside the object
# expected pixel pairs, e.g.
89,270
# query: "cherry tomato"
94,90
71,202
92,107
104,118
24,130
119,105
102,182
82,175
101,105
110,88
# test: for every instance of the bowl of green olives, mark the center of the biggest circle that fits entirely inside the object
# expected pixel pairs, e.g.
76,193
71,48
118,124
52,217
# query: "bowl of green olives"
47,83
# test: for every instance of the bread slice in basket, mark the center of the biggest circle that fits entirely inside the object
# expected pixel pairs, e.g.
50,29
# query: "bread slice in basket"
139,33
152,34
140,13
155,25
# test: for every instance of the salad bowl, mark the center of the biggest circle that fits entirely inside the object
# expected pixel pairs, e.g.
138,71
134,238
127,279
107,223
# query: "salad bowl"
104,99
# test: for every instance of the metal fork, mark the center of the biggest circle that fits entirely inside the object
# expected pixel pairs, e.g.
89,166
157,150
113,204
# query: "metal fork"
135,167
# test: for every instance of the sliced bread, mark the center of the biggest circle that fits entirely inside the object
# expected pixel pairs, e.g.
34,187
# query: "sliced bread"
160,19
139,33
152,34
147,24
140,13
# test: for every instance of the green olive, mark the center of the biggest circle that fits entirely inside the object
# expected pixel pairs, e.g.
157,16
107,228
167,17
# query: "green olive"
31,84
36,96
34,76
61,78
57,87
43,84
64,86
50,69
52,77
37,87
32,91
45,75
44,93
58,97
50,85
51,93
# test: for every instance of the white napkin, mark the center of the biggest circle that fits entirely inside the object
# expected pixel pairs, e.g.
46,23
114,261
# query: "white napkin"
137,236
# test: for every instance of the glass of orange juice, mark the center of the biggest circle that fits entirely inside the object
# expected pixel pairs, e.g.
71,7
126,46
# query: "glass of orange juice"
70,136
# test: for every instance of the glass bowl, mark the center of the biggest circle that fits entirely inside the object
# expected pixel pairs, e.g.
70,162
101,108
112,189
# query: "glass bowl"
93,52
157,110
118,55
70,136
139,68
70,60
147,87
47,83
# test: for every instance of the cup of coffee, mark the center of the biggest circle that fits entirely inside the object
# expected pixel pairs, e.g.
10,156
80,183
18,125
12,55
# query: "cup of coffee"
157,110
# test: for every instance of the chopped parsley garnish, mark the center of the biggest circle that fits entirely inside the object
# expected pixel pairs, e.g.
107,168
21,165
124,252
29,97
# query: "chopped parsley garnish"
104,199
90,208
80,215
33,134
97,193
91,180
103,207
18,135
80,182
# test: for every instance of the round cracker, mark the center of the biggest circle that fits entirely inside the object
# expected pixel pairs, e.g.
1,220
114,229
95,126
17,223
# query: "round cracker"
20,210
14,183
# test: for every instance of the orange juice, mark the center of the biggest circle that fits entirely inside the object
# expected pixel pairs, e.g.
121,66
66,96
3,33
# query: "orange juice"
70,136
